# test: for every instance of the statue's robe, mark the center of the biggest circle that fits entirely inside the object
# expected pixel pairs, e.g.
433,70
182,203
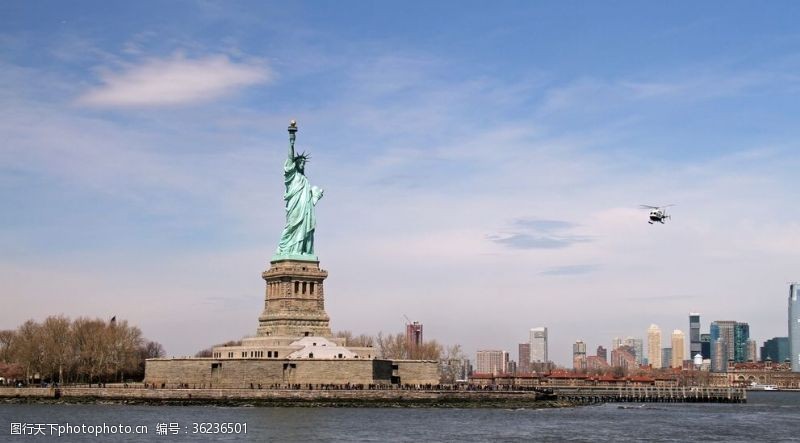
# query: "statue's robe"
298,234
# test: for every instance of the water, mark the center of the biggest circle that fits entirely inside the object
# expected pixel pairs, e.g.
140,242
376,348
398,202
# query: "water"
768,416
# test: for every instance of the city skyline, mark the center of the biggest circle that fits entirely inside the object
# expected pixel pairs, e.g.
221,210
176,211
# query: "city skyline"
735,339
140,151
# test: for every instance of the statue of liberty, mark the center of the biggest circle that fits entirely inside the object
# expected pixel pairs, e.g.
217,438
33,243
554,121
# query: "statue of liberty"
297,240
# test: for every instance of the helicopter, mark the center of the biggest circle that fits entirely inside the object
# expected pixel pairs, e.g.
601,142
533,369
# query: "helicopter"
657,213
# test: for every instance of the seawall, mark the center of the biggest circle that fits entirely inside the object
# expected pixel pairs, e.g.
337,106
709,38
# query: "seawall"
286,397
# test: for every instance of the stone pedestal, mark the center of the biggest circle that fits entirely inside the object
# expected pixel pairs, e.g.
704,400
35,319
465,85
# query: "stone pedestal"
294,305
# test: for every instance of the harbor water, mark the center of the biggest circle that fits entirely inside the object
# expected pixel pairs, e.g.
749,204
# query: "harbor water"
767,416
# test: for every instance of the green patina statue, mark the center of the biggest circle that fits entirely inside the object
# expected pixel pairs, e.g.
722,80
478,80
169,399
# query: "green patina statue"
297,240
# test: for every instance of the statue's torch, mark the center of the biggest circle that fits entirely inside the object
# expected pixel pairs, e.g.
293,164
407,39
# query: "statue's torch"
292,131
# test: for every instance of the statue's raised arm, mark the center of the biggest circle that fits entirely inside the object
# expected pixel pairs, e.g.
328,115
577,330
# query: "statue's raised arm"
292,135
297,240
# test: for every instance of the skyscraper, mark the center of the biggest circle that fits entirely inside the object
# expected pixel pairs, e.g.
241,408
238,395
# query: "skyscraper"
413,339
637,344
623,357
776,349
678,348
654,346
511,367
666,357
741,335
794,325
719,353
602,353
579,355
705,346
492,362
694,335
752,350
722,339
524,357
596,362
538,340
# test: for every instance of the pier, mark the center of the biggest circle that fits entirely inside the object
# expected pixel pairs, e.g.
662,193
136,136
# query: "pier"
650,394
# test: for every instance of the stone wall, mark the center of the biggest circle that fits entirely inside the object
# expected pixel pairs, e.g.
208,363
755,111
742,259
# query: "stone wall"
26,392
416,372
244,373
279,397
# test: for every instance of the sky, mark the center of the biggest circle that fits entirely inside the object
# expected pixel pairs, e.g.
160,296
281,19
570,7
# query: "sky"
483,165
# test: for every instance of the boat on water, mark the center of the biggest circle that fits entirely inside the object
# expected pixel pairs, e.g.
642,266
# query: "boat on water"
760,387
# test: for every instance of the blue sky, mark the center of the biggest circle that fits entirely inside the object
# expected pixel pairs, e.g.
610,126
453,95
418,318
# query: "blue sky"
482,165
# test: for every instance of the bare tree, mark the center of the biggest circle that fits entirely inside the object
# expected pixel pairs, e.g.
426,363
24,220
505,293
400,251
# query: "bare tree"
124,341
428,350
151,349
362,340
395,346
451,364
148,349
28,349
6,345
57,353
392,346
204,353
346,335
91,343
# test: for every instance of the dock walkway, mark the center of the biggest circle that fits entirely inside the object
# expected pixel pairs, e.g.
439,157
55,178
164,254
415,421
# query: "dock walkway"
650,394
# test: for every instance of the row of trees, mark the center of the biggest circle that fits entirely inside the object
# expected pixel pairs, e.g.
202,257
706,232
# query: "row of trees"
397,347
82,350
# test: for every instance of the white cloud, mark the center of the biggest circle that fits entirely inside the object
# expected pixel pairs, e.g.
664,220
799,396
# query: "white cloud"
175,81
